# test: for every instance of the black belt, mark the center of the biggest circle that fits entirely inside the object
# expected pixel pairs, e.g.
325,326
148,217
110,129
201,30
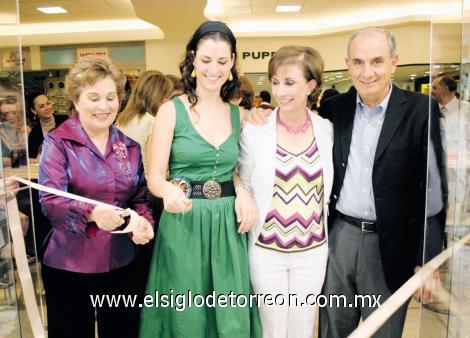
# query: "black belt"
363,224
211,189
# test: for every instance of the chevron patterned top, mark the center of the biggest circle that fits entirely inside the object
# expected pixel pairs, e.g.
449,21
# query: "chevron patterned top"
295,220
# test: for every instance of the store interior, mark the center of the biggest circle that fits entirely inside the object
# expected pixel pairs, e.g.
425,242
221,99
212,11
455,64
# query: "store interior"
37,49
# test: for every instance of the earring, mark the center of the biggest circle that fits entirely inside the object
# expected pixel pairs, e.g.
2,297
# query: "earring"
309,92
35,117
230,76
193,73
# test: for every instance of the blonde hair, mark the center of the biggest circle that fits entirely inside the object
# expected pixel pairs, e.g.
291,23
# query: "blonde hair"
307,58
87,71
149,92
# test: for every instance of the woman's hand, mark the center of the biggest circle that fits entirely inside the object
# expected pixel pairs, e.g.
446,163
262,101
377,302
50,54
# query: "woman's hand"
106,219
258,118
174,199
144,233
245,208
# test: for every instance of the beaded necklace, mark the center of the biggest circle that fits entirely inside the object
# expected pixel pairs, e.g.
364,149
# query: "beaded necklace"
299,129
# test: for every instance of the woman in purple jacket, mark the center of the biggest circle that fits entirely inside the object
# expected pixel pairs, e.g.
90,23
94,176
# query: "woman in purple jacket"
86,155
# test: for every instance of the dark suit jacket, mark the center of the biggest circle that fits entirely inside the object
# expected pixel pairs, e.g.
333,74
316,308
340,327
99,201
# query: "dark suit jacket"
399,174
36,137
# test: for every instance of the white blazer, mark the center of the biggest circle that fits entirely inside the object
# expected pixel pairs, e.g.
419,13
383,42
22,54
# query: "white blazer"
257,160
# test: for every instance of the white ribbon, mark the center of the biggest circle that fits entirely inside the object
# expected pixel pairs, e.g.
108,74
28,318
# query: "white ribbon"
24,273
20,250
131,226
369,326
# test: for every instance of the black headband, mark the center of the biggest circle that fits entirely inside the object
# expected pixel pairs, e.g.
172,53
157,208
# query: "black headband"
212,27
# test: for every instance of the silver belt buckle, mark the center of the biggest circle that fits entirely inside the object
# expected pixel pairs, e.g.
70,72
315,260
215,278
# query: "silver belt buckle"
211,190
363,224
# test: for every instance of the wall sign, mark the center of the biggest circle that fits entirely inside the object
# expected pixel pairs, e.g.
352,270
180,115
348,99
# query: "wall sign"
12,59
257,55
99,51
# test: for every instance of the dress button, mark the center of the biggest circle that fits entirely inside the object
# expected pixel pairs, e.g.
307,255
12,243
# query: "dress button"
343,164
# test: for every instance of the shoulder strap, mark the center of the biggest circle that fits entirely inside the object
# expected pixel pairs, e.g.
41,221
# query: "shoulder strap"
182,118
235,118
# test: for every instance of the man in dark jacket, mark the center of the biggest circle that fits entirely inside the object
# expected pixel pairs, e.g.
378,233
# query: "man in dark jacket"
378,203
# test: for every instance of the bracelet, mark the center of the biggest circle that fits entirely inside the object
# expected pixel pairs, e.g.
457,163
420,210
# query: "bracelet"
241,185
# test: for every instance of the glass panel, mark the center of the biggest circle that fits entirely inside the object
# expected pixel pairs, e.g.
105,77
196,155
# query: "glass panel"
10,108
58,57
459,197
448,313
128,53
14,321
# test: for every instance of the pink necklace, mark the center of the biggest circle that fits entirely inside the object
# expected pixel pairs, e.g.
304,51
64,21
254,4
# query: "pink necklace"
299,129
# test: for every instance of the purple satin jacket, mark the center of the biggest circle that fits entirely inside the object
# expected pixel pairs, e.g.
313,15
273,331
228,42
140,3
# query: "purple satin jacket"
71,162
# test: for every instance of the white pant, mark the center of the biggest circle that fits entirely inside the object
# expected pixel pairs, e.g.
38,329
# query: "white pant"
300,273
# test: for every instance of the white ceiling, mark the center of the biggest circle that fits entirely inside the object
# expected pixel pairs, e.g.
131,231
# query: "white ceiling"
172,19
78,10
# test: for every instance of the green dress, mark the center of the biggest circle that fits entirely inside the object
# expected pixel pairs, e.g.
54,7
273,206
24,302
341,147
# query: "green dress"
200,251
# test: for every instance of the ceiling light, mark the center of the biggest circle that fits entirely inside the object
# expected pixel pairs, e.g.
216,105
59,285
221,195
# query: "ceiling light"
412,75
436,66
287,9
344,22
454,66
51,10
214,9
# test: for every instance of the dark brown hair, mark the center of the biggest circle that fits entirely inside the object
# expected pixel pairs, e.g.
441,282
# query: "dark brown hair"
246,93
217,31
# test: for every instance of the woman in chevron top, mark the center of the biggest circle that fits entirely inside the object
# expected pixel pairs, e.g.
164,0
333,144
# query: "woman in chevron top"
287,163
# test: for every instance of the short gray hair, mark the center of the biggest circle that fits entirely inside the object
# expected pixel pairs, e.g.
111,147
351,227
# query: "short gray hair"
392,45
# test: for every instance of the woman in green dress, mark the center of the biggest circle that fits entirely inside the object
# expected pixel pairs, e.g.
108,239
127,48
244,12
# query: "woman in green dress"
199,279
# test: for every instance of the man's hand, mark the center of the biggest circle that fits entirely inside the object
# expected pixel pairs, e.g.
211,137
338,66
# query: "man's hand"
429,287
259,117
